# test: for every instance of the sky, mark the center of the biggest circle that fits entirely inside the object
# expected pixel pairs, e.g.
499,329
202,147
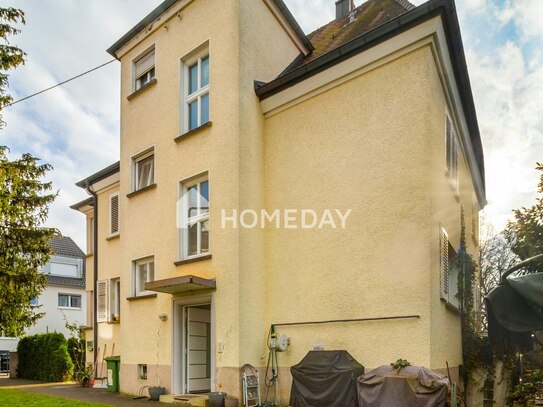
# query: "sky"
76,127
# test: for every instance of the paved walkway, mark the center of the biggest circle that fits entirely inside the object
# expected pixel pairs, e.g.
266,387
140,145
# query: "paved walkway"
76,392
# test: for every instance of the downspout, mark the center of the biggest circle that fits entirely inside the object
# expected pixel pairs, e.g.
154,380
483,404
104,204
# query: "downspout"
90,191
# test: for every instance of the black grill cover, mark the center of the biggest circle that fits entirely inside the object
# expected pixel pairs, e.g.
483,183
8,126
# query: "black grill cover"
325,378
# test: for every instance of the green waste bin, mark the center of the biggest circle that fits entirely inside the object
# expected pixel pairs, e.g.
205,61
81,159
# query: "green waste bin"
113,365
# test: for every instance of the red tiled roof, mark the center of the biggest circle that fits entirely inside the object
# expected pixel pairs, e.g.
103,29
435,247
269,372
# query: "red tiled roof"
368,16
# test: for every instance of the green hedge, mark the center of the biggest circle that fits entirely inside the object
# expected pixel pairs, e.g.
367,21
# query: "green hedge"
44,357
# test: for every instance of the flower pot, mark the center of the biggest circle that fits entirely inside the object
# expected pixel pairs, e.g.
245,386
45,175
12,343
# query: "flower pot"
216,399
231,402
156,392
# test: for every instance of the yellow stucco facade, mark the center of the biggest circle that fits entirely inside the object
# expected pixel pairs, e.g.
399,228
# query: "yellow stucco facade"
367,135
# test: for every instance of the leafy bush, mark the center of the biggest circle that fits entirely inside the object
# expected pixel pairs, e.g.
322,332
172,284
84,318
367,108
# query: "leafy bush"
44,357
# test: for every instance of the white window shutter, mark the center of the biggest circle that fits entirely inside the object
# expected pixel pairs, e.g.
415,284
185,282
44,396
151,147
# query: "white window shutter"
145,63
444,260
114,214
102,300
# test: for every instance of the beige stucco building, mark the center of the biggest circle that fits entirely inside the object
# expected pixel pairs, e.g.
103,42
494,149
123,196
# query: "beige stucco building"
366,126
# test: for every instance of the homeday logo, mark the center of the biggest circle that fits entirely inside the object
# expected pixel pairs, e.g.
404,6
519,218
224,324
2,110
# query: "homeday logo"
193,207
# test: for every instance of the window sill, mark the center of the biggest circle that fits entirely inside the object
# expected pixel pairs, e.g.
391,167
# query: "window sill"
193,131
141,190
192,260
451,307
88,255
142,89
114,322
113,237
141,297
72,308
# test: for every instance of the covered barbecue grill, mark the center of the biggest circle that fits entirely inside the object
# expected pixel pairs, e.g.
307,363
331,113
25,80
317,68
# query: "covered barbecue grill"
411,386
325,379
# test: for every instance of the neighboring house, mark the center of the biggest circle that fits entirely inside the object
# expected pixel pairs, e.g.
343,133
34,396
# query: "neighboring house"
63,299
371,113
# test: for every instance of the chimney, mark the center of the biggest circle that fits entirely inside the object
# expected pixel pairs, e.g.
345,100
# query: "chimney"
343,8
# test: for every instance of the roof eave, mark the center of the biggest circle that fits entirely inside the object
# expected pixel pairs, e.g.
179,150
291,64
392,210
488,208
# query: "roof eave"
100,175
163,7
86,202
148,19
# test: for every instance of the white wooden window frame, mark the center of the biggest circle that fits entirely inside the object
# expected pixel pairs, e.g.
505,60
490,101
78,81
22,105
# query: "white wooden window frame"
111,197
136,163
444,263
451,154
102,300
70,296
149,73
188,61
108,299
114,309
199,218
137,290
447,274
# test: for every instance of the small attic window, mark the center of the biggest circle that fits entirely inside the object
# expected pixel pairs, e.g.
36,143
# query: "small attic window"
144,69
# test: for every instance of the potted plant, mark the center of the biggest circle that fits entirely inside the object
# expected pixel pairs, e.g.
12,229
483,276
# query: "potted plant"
83,377
216,399
156,391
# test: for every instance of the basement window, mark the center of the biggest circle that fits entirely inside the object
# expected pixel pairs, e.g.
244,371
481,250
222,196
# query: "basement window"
142,372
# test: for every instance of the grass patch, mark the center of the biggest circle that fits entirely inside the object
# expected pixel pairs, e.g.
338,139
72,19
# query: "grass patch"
27,399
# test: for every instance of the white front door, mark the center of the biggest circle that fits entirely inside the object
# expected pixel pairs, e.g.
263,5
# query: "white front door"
197,351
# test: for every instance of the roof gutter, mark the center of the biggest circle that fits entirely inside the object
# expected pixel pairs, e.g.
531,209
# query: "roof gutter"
98,176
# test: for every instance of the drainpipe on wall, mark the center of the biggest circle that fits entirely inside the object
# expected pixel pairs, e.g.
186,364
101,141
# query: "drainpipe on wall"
90,191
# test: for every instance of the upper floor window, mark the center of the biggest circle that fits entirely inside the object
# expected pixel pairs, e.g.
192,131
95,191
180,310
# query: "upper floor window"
196,90
114,214
144,271
143,170
452,155
144,69
64,267
195,231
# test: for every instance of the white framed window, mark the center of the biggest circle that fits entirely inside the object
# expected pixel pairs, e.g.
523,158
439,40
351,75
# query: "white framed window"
144,69
143,272
115,299
196,89
194,239
108,303
114,214
451,154
69,301
143,170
